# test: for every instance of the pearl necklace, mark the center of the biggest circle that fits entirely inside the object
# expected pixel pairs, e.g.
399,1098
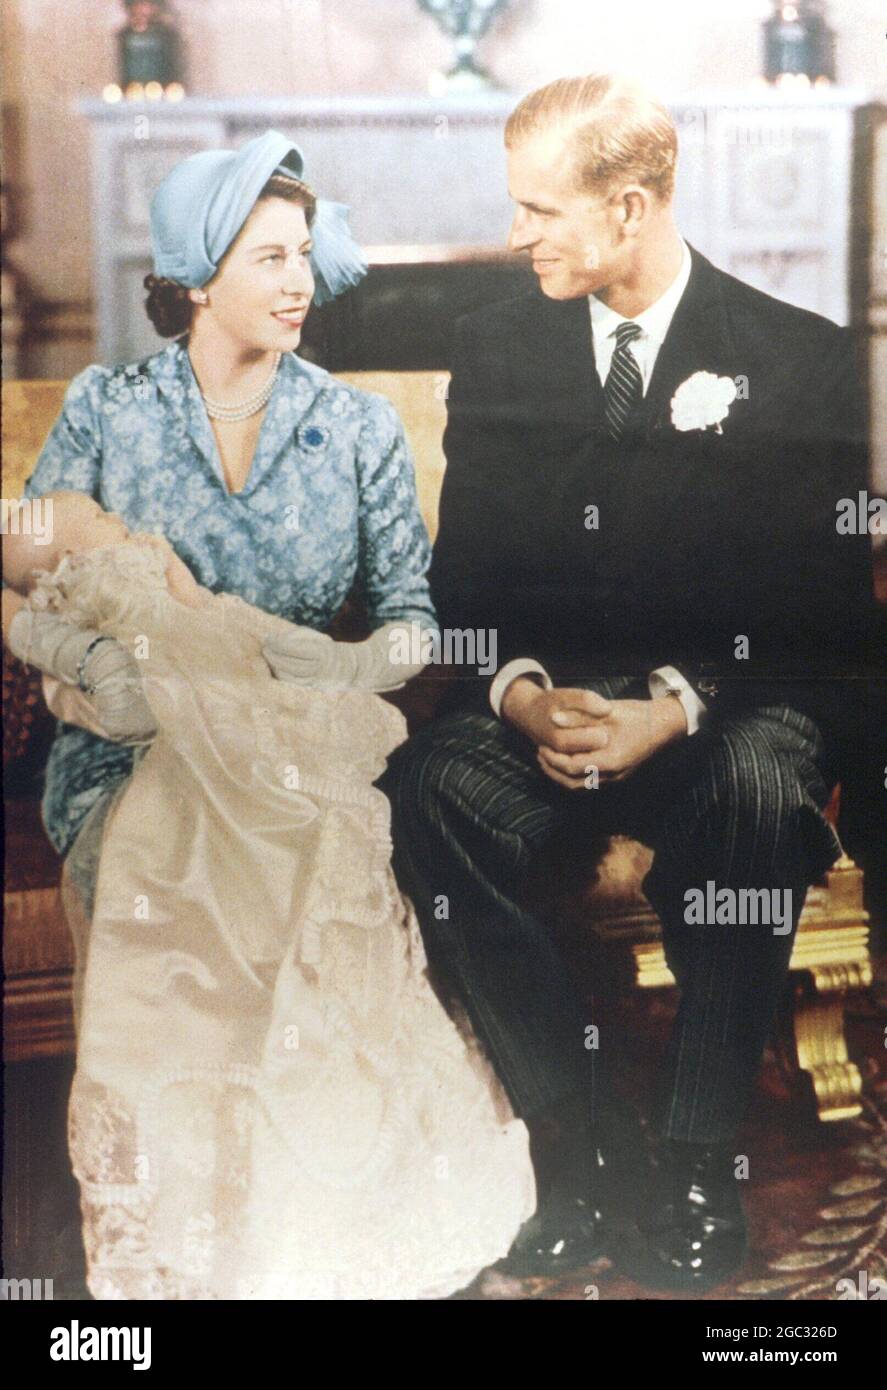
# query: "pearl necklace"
251,406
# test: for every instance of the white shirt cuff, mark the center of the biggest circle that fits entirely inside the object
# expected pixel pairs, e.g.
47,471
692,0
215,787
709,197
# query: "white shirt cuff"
521,666
666,680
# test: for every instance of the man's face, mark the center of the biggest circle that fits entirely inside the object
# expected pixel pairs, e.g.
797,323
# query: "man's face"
572,237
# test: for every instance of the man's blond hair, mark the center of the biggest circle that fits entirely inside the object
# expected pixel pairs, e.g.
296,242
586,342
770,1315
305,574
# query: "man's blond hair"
615,132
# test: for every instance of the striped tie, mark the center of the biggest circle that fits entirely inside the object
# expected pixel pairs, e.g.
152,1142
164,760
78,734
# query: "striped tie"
624,386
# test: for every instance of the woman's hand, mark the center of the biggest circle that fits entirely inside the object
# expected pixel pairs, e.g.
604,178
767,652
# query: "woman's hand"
301,656
94,663
112,677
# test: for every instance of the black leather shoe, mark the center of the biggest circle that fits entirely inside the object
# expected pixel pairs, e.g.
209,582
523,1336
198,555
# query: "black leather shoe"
570,1228
693,1234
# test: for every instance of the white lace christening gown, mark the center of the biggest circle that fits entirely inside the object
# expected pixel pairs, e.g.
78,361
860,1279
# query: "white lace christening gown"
269,1101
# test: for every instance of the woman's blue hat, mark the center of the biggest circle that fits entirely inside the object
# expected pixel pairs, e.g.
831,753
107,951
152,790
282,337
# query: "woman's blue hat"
202,204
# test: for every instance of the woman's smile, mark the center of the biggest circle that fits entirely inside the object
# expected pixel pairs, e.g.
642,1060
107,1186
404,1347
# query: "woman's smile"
290,318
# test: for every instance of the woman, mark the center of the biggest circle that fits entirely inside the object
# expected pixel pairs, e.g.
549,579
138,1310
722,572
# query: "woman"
281,487
271,479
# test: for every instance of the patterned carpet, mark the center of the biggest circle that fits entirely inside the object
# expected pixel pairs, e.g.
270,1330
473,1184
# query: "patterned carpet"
850,1234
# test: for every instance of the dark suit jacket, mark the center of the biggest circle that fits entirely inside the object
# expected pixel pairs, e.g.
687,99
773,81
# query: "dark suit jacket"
702,538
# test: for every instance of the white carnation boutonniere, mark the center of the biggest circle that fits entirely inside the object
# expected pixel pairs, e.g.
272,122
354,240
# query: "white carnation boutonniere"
702,400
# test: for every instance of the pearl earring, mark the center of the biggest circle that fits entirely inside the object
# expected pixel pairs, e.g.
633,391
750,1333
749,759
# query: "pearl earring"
201,296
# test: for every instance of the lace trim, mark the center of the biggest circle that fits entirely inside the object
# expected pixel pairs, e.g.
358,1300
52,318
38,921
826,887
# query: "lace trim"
57,590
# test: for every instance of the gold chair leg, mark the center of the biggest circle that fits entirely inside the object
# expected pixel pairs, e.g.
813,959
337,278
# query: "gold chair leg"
822,1053
829,962
831,953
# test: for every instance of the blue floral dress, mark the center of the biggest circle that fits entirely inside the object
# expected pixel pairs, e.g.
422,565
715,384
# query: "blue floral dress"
330,502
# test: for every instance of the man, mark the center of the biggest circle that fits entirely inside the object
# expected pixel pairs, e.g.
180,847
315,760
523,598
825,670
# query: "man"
676,611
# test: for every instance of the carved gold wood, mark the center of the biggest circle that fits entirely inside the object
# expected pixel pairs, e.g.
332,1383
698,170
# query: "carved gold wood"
831,953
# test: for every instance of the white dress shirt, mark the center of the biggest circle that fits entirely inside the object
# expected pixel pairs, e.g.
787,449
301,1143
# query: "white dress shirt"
654,323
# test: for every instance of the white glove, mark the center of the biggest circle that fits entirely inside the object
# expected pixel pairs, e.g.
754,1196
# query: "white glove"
96,664
301,656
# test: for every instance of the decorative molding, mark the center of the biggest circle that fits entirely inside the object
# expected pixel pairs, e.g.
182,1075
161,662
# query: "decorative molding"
476,104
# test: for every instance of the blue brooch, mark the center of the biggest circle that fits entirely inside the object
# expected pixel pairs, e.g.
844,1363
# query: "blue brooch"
313,437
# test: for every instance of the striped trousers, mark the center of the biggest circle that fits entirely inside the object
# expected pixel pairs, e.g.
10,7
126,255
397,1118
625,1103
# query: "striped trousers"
739,804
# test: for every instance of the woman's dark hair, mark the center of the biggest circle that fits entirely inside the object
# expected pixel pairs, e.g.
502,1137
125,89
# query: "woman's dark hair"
168,305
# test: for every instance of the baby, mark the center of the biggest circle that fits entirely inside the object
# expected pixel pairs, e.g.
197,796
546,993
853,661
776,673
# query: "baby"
79,524
77,659
67,647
